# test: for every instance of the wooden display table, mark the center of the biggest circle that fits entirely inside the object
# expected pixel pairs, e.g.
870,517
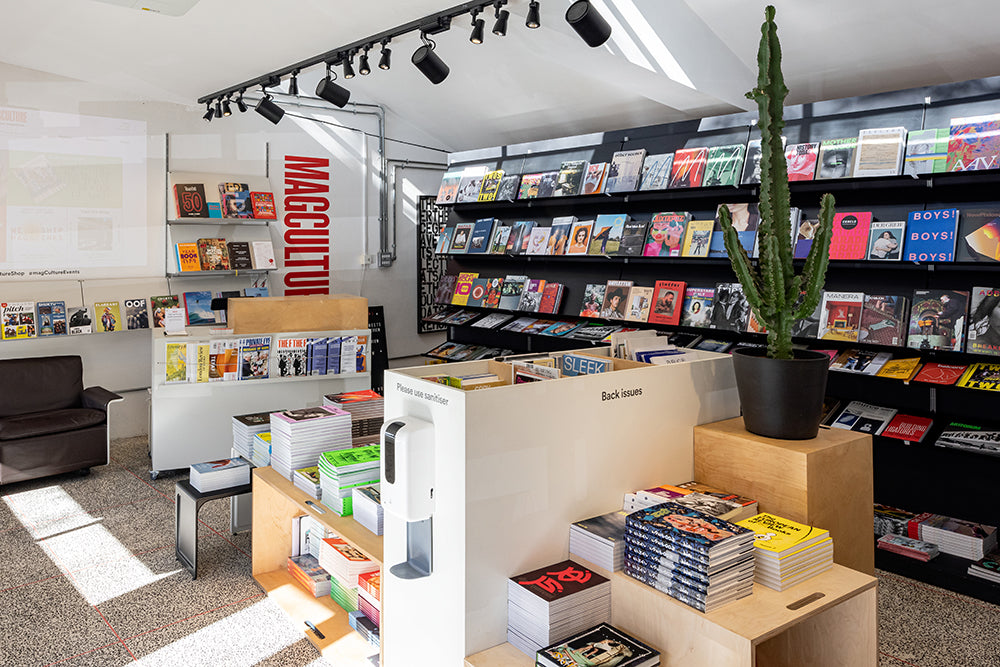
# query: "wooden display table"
767,629
824,482
275,501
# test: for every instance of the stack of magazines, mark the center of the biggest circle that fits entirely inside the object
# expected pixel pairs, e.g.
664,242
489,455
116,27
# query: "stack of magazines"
987,567
367,506
299,436
366,413
722,505
907,546
957,537
260,454
603,644
345,564
370,595
222,474
600,540
552,603
343,469
691,556
245,427
307,479
787,552
306,570
364,626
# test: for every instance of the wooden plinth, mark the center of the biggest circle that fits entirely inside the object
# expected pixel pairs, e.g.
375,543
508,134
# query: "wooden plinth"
824,482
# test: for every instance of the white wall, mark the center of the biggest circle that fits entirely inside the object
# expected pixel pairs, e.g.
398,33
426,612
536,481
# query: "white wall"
236,145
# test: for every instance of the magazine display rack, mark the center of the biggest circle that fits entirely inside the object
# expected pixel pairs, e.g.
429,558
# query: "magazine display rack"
902,472
514,466
275,502
192,422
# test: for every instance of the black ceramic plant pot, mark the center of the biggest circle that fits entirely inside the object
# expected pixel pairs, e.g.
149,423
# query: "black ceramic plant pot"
781,398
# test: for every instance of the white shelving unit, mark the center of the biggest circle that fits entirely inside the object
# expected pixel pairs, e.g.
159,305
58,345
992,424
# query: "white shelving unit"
514,467
192,422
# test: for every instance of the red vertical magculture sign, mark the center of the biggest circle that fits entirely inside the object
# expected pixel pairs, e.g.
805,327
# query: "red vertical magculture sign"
307,225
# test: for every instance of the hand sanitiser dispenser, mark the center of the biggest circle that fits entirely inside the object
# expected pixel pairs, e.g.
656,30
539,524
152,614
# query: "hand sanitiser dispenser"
407,489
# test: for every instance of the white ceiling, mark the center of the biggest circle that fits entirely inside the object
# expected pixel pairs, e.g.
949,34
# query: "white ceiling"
668,59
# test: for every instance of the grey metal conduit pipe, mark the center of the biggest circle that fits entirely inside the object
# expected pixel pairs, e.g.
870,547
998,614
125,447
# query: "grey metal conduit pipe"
406,164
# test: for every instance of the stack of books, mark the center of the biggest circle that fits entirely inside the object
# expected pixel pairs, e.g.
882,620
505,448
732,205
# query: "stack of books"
367,506
307,533
957,537
345,564
696,558
298,437
892,520
343,469
222,474
370,595
307,479
987,567
787,552
366,408
600,540
602,644
364,626
260,455
245,427
909,547
552,603
696,496
306,570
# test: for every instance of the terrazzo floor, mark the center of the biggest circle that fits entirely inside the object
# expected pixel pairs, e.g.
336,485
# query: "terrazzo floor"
88,577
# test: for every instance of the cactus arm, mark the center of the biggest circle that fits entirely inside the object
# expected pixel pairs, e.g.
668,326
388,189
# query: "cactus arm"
814,271
742,266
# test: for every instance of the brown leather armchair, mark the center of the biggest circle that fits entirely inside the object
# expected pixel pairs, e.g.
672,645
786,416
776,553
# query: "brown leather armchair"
50,424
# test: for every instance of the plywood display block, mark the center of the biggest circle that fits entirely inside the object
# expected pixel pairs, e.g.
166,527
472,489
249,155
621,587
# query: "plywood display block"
297,313
824,482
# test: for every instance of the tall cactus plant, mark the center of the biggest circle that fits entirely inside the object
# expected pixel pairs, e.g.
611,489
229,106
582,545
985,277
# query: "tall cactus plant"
777,295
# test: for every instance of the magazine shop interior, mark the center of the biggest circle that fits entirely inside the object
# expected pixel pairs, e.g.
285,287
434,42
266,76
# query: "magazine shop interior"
504,334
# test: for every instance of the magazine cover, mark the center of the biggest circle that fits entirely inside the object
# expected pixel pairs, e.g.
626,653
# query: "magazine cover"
625,171
579,238
448,191
984,321
197,307
570,179
751,166
52,318
926,151
884,320
840,318
291,353
603,645
885,240
668,297
697,310
730,309
689,168
850,235
593,180
593,299
615,299
607,234
136,314
18,319
108,315
491,183
507,190
937,320
656,171
836,158
254,357
801,161
666,232
978,235
724,165
80,321
974,143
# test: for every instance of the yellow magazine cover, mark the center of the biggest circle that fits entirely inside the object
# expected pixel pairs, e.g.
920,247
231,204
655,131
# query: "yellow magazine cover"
697,238
204,362
108,313
488,189
463,286
780,537
900,369
981,376
187,257
176,362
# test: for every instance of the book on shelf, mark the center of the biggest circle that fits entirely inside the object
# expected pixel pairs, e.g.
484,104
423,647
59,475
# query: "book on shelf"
668,297
880,152
665,234
499,239
198,307
615,299
981,376
547,184
443,242
697,306
507,189
603,644
697,238
593,180
884,319
730,309
552,294
937,320
460,238
470,183
520,235
978,235
836,158
136,314
978,438
724,165
607,234
594,331
593,299
958,537
935,372
891,520
910,428
477,293
510,291
688,169
579,237
987,567
494,287
900,369
520,324
633,239
559,235
865,362
625,171
236,204
531,296
570,178
253,356
491,183
745,218
239,255
190,200
448,190
109,315
885,240
640,300
974,143
656,171
930,235
529,186
463,286
446,288
800,160
751,165
850,235
51,318
262,205
840,318
262,254
213,255
186,257
538,241
926,151
984,321
864,417
479,237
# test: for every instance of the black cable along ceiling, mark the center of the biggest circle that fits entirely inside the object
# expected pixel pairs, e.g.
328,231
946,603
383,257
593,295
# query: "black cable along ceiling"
580,15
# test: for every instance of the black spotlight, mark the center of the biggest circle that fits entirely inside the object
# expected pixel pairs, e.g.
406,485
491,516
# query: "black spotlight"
348,67
332,92
218,108
478,25
363,68
588,23
269,110
293,84
533,20
226,109
429,63
500,27
240,104
209,113
383,62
